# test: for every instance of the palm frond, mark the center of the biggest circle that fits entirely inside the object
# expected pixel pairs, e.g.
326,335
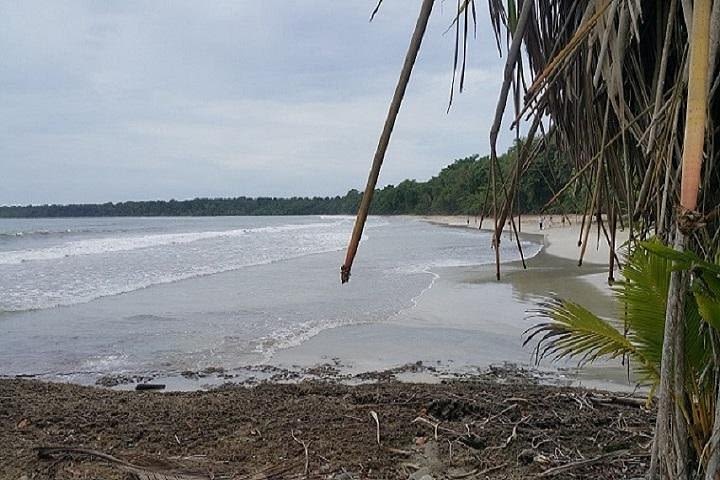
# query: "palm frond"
573,331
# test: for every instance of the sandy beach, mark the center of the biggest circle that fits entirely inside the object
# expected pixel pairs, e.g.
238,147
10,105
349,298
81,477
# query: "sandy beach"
468,320
560,238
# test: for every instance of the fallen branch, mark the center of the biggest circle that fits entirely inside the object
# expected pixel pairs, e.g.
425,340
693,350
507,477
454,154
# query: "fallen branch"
305,447
138,471
551,472
493,417
625,401
513,435
477,473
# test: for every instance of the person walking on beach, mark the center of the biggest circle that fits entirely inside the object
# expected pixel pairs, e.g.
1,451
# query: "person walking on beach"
540,221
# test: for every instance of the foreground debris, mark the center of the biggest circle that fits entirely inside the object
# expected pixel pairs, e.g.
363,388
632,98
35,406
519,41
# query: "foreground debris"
463,429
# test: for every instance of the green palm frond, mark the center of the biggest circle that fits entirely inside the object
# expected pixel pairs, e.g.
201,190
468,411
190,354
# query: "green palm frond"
575,332
706,288
705,278
643,298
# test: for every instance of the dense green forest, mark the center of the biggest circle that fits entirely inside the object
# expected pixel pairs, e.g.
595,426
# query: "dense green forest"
459,188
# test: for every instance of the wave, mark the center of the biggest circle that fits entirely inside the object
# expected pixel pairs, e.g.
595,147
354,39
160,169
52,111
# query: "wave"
96,246
289,337
30,233
530,250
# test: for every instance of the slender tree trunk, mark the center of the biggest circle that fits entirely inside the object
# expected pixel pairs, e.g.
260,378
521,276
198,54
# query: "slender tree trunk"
384,141
669,455
663,463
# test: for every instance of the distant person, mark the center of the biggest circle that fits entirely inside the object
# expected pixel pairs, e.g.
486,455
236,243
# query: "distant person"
540,222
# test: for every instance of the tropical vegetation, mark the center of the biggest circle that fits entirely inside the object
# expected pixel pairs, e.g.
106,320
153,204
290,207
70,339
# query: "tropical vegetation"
627,90
636,333
459,189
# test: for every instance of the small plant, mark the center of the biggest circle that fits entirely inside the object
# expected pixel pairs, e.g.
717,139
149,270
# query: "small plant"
572,331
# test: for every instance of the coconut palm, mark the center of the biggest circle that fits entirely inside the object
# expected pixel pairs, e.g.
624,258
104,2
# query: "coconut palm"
571,331
612,83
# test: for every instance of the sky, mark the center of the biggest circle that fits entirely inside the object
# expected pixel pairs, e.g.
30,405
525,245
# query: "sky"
137,100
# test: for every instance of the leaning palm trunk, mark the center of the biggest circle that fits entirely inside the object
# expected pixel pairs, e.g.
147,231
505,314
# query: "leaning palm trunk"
669,459
397,99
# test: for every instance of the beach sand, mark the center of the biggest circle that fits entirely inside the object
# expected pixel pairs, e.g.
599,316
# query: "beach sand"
561,239
468,320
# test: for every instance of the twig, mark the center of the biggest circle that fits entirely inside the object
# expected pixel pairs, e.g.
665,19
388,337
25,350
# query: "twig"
436,426
477,473
582,463
493,417
491,469
512,436
305,447
147,472
374,415
399,451
626,401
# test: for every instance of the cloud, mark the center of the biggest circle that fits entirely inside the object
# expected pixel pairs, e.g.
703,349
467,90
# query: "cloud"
107,101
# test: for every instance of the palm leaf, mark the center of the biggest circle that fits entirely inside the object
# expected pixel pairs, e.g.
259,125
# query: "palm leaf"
706,289
643,299
575,332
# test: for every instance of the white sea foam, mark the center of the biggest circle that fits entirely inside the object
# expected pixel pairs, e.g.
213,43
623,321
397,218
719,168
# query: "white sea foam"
288,337
96,246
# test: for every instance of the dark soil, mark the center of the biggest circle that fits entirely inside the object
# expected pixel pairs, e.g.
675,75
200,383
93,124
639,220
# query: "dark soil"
476,428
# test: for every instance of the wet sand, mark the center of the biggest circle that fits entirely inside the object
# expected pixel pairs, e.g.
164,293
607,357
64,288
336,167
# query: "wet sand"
468,321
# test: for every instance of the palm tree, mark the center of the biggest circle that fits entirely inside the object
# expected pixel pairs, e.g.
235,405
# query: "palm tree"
637,332
612,82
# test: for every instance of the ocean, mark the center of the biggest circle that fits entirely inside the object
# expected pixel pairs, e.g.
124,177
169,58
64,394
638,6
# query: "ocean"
82,298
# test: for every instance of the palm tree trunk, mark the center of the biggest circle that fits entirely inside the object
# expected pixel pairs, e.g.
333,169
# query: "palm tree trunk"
669,458
384,141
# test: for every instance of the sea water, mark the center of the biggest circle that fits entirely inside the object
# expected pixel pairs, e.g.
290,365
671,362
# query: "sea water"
95,296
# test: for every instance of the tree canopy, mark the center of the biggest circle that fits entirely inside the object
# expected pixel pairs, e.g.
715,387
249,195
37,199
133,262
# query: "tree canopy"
461,188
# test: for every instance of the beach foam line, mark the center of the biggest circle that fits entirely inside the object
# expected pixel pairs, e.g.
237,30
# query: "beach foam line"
97,246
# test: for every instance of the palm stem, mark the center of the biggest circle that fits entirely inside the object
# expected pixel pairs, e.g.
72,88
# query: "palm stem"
384,141
669,458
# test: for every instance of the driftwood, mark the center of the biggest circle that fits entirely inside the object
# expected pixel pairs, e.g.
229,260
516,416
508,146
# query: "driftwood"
624,401
551,472
142,473
149,386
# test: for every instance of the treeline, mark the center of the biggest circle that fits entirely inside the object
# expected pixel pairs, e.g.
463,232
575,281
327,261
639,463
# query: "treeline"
459,189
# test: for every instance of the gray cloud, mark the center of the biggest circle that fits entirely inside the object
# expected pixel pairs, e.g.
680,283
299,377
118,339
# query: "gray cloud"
107,101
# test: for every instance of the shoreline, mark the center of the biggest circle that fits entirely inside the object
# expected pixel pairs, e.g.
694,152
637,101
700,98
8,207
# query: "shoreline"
433,376
439,329
560,239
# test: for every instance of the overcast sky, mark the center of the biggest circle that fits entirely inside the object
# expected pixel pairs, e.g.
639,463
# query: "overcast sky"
117,100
